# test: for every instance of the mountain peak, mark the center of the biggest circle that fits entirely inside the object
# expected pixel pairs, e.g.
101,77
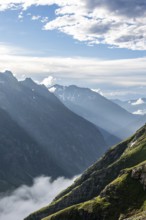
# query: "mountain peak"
8,73
7,76
29,81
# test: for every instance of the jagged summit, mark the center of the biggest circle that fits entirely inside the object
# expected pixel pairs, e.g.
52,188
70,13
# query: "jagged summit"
8,73
28,81
31,83
7,76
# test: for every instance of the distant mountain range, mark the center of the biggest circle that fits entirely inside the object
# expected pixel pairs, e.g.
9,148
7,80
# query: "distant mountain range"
112,189
105,114
135,106
41,135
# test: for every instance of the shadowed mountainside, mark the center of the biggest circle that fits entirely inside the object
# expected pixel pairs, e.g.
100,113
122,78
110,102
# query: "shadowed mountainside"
21,158
68,141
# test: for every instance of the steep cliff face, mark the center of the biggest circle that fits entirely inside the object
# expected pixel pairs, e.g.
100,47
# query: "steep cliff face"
111,189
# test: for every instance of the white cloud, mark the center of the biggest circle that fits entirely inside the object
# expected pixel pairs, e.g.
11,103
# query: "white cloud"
35,17
10,50
52,89
48,81
102,24
114,77
44,19
138,102
26,200
130,72
118,23
20,16
123,92
140,112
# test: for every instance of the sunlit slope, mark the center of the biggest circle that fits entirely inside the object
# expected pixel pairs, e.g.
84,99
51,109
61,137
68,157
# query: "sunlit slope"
112,188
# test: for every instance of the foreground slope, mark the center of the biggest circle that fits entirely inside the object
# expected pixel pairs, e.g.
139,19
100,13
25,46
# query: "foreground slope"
111,189
123,198
97,109
70,141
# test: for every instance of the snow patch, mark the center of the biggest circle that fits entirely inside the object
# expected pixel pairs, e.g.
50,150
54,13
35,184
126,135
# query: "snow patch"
97,91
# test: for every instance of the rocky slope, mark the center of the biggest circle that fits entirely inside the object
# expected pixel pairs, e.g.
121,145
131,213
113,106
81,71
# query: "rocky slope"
68,141
112,189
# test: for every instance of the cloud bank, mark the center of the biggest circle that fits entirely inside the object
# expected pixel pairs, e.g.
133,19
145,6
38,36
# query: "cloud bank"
117,23
113,78
78,70
26,200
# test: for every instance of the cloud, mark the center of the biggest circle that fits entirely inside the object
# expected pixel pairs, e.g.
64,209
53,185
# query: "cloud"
52,89
124,92
140,112
117,23
10,50
35,17
26,200
44,19
69,70
115,78
20,16
138,102
131,8
48,81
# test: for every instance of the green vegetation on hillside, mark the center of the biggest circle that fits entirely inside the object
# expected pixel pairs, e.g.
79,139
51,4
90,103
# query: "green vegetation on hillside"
118,200
111,189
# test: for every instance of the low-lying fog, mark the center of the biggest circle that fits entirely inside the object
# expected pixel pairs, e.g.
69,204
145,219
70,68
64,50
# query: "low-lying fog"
25,200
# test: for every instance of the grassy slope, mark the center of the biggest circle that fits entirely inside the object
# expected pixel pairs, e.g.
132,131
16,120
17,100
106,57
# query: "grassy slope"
120,199
125,155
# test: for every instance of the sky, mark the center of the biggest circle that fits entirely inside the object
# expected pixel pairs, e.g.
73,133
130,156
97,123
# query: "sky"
99,44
